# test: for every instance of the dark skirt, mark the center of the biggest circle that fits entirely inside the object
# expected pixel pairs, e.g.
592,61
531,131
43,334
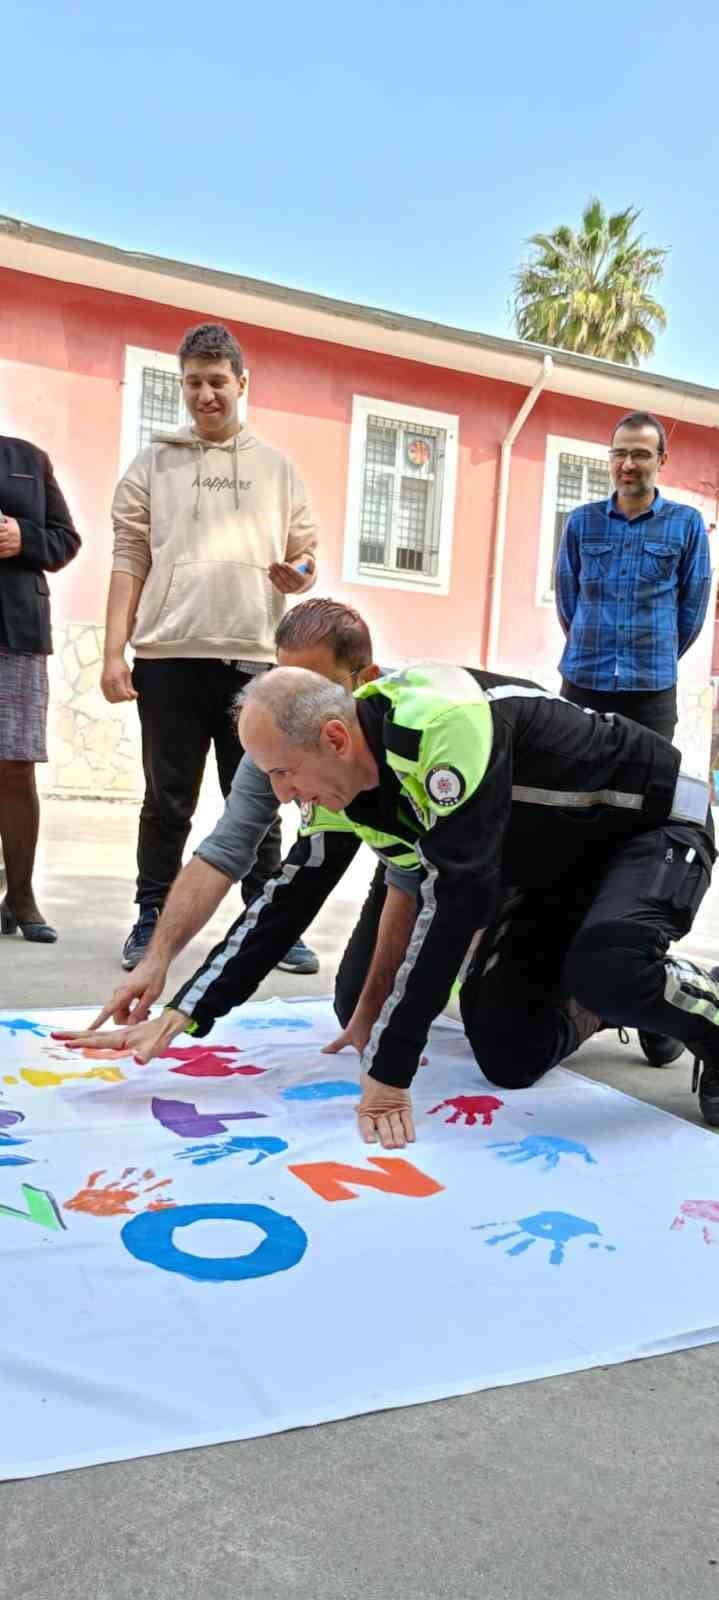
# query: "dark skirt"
23,706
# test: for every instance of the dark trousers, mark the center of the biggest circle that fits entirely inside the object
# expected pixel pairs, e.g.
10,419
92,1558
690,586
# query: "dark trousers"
602,941
653,708
353,967
185,706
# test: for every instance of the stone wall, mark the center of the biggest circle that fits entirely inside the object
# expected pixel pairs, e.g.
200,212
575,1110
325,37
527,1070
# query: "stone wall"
93,747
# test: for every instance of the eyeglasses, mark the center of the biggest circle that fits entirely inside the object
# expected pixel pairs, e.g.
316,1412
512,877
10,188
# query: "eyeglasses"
640,456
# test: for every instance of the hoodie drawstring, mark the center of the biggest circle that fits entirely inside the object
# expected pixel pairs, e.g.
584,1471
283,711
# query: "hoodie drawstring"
236,476
196,512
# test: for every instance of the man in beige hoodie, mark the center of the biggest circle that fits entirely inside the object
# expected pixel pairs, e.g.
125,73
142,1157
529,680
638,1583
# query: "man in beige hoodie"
212,531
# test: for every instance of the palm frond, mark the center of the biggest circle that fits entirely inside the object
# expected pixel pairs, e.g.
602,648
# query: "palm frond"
588,290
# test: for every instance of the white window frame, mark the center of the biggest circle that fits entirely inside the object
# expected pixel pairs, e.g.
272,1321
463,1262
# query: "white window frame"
363,407
556,446
137,357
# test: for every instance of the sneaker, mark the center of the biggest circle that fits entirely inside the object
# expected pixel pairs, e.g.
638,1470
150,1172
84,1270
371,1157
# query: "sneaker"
139,937
299,959
659,1048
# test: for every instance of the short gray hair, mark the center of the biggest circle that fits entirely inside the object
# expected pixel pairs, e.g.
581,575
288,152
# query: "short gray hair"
300,703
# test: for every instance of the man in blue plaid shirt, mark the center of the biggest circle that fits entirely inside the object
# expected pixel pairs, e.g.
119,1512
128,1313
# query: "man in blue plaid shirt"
632,585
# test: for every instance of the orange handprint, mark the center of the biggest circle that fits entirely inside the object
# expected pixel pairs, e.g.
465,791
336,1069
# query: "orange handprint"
118,1198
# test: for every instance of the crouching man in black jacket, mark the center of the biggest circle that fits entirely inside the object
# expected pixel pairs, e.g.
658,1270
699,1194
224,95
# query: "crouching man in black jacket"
561,852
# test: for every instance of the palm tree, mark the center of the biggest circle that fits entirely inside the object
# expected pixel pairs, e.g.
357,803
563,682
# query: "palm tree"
589,290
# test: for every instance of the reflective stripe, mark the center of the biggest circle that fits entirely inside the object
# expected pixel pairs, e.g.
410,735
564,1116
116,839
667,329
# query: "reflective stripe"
512,691
568,797
517,691
236,940
690,800
466,964
691,989
421,928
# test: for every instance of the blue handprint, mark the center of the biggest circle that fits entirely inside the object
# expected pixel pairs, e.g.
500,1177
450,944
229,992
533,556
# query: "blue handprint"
9,1119
536,1145
201,1155
274,1022
22,1025
327,1089
557,1227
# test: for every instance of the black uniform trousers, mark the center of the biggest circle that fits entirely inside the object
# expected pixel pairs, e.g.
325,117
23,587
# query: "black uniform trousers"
652,708
600,939
185,706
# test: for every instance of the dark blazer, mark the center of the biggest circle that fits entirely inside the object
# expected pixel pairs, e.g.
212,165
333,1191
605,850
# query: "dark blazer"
29,492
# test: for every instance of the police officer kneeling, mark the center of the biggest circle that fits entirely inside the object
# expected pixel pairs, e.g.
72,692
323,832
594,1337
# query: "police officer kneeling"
570,838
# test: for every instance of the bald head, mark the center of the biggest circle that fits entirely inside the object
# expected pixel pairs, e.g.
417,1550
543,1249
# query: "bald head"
304,733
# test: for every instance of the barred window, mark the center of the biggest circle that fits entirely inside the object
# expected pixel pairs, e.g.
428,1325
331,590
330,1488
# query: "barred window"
579,480
401,496
400,507
161,404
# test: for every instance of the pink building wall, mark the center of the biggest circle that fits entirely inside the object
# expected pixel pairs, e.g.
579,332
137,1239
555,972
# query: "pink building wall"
62,349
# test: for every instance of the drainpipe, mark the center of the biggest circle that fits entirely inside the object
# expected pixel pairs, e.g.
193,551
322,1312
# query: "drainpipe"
500,526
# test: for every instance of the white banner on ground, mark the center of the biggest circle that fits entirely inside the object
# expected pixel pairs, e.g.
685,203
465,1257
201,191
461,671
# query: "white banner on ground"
203,1250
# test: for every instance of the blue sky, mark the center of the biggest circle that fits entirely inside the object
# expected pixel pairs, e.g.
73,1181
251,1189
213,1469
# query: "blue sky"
393,153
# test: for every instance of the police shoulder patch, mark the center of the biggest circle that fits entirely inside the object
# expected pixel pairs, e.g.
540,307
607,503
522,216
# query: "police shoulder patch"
445,785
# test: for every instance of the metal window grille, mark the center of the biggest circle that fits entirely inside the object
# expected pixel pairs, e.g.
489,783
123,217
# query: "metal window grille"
401,497
161,404
579,479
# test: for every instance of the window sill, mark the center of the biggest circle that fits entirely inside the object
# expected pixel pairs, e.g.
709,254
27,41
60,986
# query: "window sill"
401,581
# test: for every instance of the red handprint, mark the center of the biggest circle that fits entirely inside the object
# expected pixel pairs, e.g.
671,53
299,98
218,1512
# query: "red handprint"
470,1107
209,1061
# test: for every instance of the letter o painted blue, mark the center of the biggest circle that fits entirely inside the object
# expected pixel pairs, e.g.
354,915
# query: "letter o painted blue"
149,1237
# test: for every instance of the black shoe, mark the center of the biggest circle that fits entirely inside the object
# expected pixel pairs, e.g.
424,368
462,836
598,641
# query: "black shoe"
299,959
660,1049
34,932
706,1078
139,937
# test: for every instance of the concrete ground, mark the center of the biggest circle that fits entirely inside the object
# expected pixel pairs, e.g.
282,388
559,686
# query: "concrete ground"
596,1486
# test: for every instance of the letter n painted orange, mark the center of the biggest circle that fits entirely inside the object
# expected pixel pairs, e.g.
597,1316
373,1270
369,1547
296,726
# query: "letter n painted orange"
331,1179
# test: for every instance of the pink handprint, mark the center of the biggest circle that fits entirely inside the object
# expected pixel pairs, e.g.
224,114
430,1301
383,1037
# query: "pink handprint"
470,1107
705,1211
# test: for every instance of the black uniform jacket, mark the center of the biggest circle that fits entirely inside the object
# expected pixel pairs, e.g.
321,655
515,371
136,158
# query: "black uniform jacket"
562,791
